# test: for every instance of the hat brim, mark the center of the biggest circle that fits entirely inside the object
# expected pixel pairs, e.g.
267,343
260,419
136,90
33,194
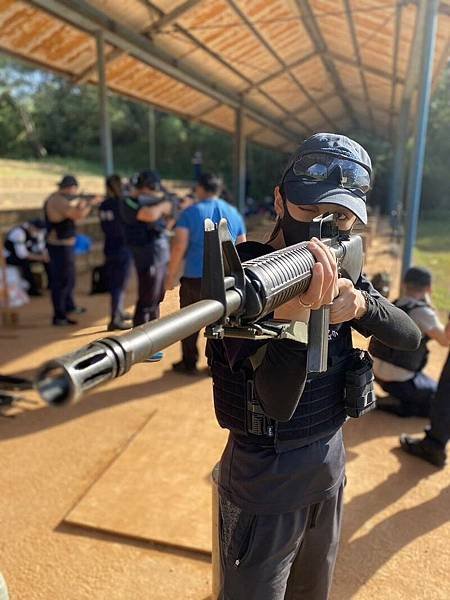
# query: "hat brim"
314,192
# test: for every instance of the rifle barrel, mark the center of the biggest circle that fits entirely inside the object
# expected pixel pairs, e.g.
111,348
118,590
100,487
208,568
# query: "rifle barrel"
66,378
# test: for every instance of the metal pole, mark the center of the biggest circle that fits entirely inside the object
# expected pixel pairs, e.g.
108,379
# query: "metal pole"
416,167
152,138
397,184
240,166
396,190
105,126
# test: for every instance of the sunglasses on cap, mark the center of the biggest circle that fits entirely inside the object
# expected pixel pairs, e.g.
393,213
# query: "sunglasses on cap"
318,167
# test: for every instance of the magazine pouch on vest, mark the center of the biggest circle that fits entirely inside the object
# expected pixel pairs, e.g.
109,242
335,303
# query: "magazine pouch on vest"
320,411
414,360
359,392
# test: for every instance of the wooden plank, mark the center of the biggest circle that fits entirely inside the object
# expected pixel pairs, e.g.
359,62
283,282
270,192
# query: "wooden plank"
159,488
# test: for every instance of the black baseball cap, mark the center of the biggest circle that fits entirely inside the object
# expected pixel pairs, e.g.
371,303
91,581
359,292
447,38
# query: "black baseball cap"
418,276
299,190
38,223
68,181
148,178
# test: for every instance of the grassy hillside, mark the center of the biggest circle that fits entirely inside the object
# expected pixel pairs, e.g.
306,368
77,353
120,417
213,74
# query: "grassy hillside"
37,169
25,183
433,252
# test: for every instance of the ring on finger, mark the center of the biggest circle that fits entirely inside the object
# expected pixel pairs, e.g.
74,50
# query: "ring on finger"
303,304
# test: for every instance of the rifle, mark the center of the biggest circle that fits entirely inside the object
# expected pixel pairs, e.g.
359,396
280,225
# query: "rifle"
237,298
87,197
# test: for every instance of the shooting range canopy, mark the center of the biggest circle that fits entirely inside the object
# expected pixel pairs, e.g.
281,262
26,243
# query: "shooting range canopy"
294,66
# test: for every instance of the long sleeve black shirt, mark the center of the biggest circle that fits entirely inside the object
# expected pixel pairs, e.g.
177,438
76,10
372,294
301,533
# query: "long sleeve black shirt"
262,480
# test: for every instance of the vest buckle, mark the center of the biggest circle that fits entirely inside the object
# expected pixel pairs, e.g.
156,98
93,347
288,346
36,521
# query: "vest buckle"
256,421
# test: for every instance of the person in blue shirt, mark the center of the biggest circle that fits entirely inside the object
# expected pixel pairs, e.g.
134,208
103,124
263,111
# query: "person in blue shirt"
117,254
187,245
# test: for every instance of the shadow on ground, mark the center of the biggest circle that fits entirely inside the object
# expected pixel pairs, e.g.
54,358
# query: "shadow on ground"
28,422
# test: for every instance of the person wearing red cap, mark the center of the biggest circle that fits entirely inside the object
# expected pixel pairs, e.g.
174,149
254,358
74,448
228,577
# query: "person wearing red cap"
282,472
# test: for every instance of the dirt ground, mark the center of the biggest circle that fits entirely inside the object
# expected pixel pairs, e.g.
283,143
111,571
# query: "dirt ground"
396,529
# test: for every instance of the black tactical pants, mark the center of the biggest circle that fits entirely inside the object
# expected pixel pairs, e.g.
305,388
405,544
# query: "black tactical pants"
440,408
288,556
190,292
150,294
150,276
62,279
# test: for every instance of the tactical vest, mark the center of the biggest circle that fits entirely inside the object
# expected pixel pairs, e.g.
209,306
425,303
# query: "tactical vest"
10,246
320,410
414,360
64,230
138,233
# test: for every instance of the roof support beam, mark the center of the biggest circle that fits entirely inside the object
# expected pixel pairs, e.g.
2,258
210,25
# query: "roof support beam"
417,159
398,177
84,76
397,33
280,72
255,133
307,105
369,69
84,16
105,125
356,49
117,52
314,32
198,44
173,15
276,56
151,138
240,161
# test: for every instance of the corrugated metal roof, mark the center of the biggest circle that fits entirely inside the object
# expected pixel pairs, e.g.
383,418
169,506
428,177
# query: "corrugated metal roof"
302,65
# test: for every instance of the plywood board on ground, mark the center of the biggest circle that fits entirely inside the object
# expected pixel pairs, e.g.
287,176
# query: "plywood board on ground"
159,488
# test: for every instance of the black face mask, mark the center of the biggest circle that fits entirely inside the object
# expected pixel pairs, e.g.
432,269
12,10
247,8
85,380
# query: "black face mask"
294,231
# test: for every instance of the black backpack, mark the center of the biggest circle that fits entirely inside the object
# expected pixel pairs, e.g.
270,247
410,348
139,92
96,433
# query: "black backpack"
99,280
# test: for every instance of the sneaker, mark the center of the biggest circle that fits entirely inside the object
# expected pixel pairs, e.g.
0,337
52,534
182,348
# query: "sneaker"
63,322
126,316
180,367
118,326
424,448
155,357
77,310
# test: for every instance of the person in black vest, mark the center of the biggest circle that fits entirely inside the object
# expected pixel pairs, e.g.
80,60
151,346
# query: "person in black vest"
282,474
432,447
117,254
62,209
400,373
23,246
144,212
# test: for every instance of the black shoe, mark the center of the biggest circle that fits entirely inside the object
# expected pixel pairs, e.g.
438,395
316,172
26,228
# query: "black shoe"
118,326
36,293
78,310
391,405
180,367
126,316
424,448
63,322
